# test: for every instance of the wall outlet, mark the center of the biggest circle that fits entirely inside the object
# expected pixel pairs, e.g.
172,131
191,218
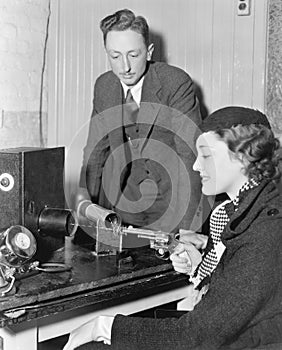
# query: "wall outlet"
243,7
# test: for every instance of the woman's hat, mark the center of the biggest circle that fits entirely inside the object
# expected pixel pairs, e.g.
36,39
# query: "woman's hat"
227,117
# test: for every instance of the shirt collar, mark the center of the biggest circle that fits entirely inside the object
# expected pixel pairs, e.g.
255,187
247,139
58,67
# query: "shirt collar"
136,90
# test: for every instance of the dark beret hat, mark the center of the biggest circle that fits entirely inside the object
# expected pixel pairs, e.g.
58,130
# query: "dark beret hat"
227,117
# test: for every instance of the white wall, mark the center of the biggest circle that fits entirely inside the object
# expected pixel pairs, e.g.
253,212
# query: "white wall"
23,110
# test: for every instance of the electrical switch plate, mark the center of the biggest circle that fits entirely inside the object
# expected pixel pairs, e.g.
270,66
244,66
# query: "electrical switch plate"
243,7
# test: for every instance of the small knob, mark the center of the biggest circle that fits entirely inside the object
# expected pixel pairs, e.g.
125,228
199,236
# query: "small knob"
242,6
5,182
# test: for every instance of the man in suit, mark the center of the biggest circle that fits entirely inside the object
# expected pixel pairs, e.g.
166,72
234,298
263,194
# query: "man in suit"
140,149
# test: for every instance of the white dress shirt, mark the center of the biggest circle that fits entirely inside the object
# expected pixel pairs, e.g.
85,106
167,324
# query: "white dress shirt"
136,90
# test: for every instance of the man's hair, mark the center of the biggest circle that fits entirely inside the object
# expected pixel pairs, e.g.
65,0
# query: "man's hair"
256,146
123,20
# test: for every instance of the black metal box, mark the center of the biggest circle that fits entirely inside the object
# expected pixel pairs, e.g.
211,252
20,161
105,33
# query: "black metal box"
30,179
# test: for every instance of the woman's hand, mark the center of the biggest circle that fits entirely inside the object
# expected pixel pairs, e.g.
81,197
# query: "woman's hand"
187,255
181,261
197,239
97,329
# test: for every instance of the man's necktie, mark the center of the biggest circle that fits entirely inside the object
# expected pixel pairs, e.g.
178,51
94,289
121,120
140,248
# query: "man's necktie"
130,108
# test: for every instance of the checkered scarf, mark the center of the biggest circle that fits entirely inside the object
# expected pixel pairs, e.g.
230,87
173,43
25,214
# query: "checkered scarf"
218,220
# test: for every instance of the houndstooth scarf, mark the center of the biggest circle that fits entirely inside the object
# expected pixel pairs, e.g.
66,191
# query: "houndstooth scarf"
218,220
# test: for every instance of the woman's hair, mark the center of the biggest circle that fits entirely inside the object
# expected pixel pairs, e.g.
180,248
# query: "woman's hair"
123,20
256,146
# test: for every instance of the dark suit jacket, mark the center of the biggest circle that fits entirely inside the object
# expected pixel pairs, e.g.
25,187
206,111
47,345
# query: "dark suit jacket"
168,107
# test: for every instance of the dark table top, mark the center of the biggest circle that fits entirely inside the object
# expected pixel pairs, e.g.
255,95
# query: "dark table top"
92,280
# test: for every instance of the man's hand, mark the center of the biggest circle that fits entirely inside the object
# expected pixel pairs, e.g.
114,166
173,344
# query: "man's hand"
97,329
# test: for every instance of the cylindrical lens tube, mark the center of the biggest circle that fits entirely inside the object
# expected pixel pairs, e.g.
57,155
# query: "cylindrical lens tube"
57,222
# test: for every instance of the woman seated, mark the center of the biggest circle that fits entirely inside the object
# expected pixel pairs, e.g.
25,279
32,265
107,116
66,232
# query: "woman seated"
236,272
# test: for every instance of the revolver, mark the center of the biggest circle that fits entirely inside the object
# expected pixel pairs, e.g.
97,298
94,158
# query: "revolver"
162,242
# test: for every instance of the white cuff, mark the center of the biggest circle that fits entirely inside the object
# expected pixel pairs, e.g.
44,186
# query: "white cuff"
103,329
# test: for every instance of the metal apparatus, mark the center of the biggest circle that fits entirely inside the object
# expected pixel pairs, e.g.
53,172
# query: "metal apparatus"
105,227
32,195
93,212
17,246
